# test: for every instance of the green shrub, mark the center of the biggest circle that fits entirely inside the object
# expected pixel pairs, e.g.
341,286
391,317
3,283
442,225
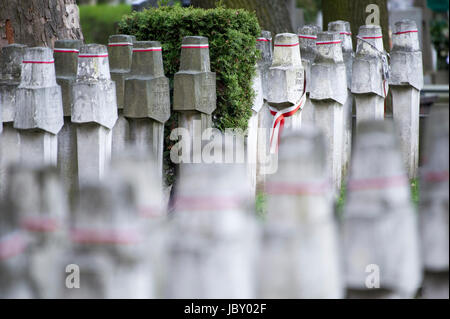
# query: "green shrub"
98,22
232,45
232,41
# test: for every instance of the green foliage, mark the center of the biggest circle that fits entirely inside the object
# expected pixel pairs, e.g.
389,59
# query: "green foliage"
439,38
98,22
415,191
232,41
232,37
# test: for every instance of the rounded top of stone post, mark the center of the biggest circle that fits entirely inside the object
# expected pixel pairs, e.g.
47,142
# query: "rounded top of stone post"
38,68
343,27
370,39
286,50
66,57
195,54
68,44
93,63
405,36
329,47
120,40
11,57
307,36
147,59
264,44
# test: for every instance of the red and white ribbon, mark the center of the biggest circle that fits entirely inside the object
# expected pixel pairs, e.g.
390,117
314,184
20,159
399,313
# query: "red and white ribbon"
40,224
102,55
194,46
105,236
280,115
345,33
263,40
328,42
374,37
38,62
147,49
12,245
377,183
407,31
61,50
307,36
287,45
288,188
120,44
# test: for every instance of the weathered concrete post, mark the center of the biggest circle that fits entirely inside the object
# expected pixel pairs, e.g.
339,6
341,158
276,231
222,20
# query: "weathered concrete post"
406,81
147,100
106,243
307,36
265,119
300,257
39,110
120,49
11,57
194,92
66,63
286,95
40,202
328,95
379,230
212,243
369,74
434,203
343,27
14,265
139,170
94,110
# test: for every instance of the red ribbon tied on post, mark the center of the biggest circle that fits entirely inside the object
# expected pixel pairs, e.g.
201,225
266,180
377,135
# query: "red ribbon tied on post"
280,115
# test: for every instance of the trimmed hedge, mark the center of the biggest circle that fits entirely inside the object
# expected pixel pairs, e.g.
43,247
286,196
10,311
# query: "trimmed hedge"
232,37
98,22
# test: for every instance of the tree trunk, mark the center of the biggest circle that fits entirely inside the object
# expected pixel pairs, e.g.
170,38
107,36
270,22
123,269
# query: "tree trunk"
355,13
273,15
38,22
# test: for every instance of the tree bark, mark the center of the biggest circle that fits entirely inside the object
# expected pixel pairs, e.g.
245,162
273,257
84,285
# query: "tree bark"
38,22
273,15
355,13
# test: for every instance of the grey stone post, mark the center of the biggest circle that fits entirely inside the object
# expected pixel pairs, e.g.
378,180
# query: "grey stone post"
11,57
286,95
94,110
147,99
42,207
120,49
299,252
66,63
369,80
139,170
211,243
328,94
194,93
265,119
379,226
343,27
14,260
307,36
406,81
434,203
107,244
39,109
